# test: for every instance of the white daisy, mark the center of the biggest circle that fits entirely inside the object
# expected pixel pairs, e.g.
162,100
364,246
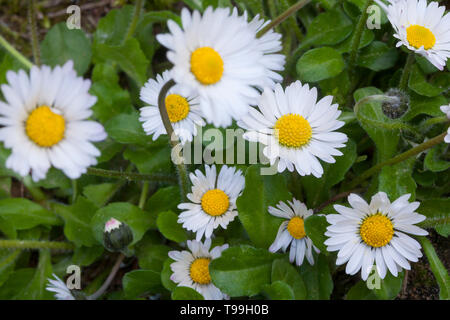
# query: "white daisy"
44,122
59,288
191,268
446,110
181,105
219,56
292,231
213,200
375,233
295,128
421,27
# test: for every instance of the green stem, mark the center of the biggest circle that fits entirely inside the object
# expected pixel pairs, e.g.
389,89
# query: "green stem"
144,193
35,192
34,32
356,39
286,14
403,83
36,244
131,176
431,121
438,269
16,54
74,190
401,157
173,139
134,21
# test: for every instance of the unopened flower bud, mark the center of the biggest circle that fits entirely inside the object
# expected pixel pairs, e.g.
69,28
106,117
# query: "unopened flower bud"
396,103
117,235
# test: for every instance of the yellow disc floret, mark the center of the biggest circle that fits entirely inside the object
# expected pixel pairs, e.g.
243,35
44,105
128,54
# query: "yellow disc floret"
206,65
199,271
177,107
44,127
296,227
376,230
215,202
292,130
419,36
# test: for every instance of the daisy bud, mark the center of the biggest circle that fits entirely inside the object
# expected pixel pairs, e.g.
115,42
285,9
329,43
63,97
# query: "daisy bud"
117,235
396,103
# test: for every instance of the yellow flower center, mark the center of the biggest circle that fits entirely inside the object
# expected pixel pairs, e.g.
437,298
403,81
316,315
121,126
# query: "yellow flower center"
292,130
418,36
44,127
376,230
296,227
199,271
215,202
177,107
206,65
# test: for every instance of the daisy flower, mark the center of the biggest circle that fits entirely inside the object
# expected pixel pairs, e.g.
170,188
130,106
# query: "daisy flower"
59,288
224,65
296,129
446,110
213,200
191,268
375,233
421,27
182,108
44,122
292,231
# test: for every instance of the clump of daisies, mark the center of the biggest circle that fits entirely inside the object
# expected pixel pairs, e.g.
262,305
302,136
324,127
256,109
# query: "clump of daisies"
375,233
422,28
45,122
223,65
295,128
213,200
191,268
182,107
292,231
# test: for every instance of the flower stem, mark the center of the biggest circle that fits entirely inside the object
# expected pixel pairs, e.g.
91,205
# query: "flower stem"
131,176
108,280
134,21
356,39
283,16
403,83
33,31
16,54
173,139
401,157
35,244
143,197
35,192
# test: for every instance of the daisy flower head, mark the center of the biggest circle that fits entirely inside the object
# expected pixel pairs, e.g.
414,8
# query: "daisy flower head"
296,129
182,107
59,288
421,27
44,122
446,110
218,55
375,233
191,268
292,231
213,200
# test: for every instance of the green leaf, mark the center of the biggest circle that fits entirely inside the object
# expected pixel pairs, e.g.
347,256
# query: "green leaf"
366,38
424,105
151,256
113,28
126,128
77,218
138,220
100,194
170,228
377,56
151,159
328,28
35,288
360,292
285,272
318,279
435,161
279,290
242,271
61,44
418,83
186,293
25,214
85,256
390,286
319,64
437,211
397,180
165,199
165,275
16,283
261,191
7,263
137,283
315,228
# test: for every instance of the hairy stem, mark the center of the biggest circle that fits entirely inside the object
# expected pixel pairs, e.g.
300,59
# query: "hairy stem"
134,21
143,197
35,244
131,176
108,280
14,53
34,32
403,83
356,39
